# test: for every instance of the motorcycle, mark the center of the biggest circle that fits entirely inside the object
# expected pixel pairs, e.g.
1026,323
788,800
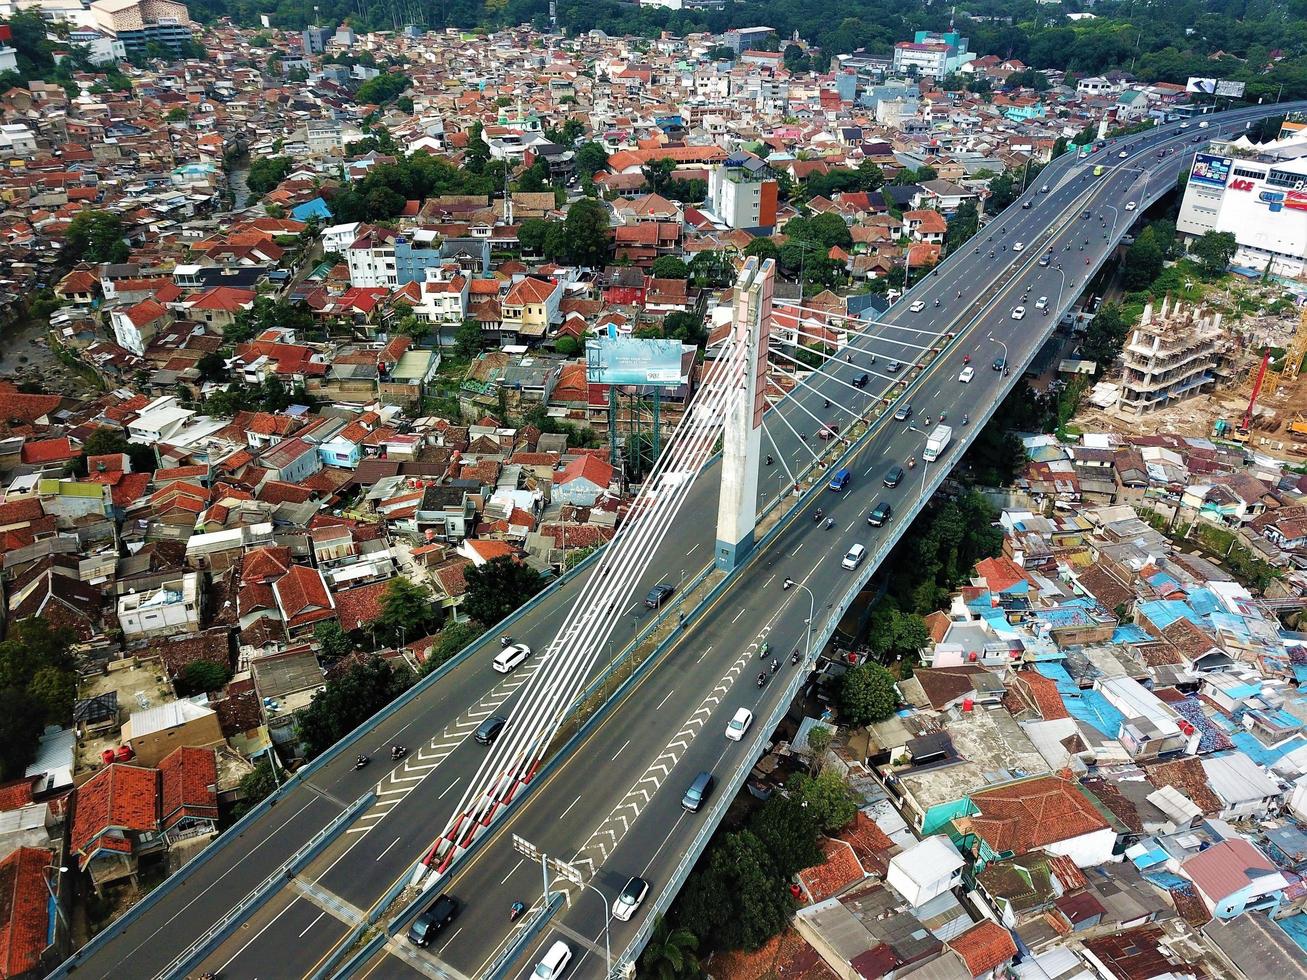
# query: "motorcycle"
398,751
830,523
505,640
515,912
775,666
912,463
966,419
785,586
794,657
762,680
816,518
1086,261
937,302
763,651
769,459
966,358
360,762
826,404
943,416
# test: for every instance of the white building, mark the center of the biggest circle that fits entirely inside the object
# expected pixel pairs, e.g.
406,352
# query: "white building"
1259,196
925,870
172,608
16,139
928,59
158,421
741,194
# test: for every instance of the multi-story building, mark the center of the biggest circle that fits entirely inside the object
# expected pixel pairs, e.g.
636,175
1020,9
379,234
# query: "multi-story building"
379,257
1258,196
140,23
175,606
742,194
1172,354
925,59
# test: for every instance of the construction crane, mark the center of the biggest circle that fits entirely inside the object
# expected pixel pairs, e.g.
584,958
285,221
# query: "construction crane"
1246,424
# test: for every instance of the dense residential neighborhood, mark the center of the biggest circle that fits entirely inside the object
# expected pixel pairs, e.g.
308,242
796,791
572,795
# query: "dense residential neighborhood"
300,400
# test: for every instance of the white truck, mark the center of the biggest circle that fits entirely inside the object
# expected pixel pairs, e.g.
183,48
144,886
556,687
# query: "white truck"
937,442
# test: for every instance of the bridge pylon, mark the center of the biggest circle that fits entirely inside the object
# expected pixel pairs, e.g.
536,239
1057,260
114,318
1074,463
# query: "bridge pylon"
737,509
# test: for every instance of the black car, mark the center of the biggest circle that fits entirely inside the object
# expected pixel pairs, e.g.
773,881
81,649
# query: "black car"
999,364
894,477
1084,214
489,730
903,413
863,381
659,594
427,925
879,514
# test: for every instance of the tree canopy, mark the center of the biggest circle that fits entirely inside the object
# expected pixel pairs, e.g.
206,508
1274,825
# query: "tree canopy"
497,588
867,694
96,236
349,700
1214,250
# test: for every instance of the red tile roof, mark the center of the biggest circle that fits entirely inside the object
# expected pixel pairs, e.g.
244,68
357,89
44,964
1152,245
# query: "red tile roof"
190,785
984,947
840,869
355,608
1033,813
118,796
16,794
24,909
49,451
303,597
15,405
590,467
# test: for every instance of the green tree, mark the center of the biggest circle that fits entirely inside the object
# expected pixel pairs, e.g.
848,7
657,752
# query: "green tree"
406,611
254,788
382,88
212,367
1105,336
54,689
819,740
686,326
1003,190
468,338
587,234
962,225
669,954
177,114
1143,261
266,173
333,642
827,797
497,588
21,720
202,676
96,236
736,900
1214,250
567,345
590,159
107,442
867,694
575,556
349,700
788,831
532,235
762,248
450,641
669,267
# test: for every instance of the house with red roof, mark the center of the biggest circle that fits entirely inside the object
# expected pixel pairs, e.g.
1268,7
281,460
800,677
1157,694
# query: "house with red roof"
359,606
303,600
18,408
1041,813
925,225
218,307
530,306
583,480
48,454
25,912
985,949
136,325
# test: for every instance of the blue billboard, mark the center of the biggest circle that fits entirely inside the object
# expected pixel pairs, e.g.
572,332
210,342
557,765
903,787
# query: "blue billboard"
613,360
1210,169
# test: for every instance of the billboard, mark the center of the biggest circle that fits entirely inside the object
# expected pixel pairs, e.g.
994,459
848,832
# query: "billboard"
613,360
1210,169
1215,86
1296,200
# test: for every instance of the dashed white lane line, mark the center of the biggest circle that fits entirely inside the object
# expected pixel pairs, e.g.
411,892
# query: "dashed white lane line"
569,808
388,847
448,788
619,751
673,690
692,551
311,925
510,874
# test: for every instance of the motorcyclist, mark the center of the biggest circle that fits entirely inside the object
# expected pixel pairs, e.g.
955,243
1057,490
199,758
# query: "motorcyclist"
820,514
360,762
830,523
775,666
965,419
516,911
912,462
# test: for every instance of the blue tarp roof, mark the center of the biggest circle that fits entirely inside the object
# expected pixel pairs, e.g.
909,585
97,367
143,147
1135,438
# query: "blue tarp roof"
1259,753
1163,612
1130,633
1089,707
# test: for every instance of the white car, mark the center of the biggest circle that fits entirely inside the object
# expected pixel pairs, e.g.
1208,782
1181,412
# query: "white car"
1018,246
1204,124
1123,154
627,902
967,374
554,962
1184,125
507,659
918,306
1129,205
738,725
1019,313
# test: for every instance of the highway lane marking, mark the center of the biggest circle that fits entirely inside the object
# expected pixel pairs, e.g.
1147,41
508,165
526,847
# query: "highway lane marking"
311,925
510,874
268,925
673,690
569,808
619,751
692,551
388,847
449,787
797,550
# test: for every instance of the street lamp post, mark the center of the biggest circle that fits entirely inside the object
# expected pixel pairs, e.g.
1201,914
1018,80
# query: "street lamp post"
1115,214
55,898
608,918
1061,288
1004,346
812,612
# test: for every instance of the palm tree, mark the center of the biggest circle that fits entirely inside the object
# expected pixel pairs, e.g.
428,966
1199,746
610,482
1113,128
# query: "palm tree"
669,954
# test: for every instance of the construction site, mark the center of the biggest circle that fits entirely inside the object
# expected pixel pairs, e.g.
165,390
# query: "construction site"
1186,372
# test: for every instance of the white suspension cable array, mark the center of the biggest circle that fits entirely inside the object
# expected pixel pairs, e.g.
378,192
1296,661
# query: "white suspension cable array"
569,657
827,318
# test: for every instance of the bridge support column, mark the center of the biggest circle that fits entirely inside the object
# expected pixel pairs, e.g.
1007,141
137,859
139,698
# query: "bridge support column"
737,509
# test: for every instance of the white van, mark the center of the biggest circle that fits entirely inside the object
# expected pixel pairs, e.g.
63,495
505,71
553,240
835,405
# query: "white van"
854,557
509,657
1041,304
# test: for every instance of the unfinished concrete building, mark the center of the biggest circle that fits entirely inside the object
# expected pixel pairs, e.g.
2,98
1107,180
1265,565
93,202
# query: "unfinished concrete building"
1172,354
